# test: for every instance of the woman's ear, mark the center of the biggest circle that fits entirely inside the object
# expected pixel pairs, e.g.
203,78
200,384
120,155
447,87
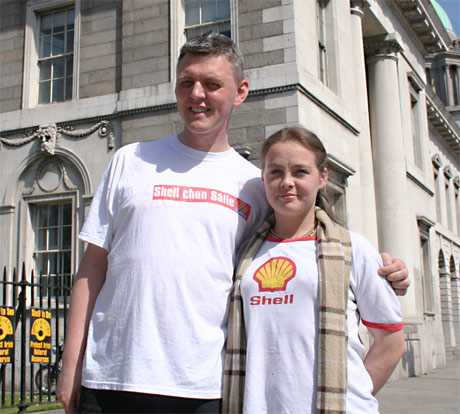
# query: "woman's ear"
324,177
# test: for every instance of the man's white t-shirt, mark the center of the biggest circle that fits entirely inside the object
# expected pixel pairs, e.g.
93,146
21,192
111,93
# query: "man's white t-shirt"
281,311
171,219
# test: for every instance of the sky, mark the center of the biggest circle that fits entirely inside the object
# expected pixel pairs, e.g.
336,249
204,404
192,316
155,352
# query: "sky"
452,8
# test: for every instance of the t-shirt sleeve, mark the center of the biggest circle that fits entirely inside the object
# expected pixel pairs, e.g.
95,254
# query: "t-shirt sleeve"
98,226
378,306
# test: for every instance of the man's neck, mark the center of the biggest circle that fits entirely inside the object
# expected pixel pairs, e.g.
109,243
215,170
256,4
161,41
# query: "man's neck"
205,142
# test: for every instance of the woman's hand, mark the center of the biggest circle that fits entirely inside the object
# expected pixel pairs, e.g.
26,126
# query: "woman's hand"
395,271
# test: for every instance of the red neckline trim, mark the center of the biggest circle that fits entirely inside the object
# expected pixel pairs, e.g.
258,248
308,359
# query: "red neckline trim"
271,237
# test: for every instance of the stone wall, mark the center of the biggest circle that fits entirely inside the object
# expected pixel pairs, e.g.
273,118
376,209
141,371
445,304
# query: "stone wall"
12,20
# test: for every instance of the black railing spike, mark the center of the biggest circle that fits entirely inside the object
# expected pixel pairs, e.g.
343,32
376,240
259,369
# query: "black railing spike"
4,285
24,290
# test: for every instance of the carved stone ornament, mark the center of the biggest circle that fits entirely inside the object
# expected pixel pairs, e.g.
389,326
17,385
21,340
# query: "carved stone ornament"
457,181
448,172
382,45
357,7
48,135
50,175
436,160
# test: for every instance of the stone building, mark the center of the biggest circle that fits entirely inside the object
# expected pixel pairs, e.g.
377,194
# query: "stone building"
377,80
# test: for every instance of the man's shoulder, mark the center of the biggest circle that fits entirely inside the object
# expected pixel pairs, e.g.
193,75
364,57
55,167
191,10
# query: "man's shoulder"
244,167
138,147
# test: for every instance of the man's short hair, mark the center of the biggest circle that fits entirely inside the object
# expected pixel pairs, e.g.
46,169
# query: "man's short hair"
214,44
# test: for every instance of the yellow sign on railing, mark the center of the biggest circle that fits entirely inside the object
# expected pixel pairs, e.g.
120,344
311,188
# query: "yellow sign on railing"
40,336
6,335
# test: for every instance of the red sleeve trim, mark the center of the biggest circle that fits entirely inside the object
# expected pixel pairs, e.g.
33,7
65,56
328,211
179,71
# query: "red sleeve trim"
392,327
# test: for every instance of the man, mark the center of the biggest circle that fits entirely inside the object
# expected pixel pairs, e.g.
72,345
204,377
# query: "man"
148,309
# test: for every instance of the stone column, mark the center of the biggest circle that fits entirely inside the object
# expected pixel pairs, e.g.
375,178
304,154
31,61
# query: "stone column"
455,290
449,86
395,220
365,174
446,308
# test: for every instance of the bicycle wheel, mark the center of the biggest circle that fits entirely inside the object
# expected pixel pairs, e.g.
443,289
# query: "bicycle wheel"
48,380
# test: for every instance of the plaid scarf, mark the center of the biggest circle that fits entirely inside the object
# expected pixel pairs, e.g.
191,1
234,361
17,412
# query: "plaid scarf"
334,259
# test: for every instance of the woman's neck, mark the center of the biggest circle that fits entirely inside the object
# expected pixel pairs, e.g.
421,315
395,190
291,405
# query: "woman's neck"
291,228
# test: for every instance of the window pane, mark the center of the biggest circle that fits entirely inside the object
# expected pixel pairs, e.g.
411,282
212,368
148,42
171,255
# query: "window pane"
52,263
70,19
53,214
70,36
209,11
192,12
42,212
45,71
69,66
66,262
44,92
45,46
58,44
67,237
68,88
58,90
67,214
46,24
53,238
58,68
223,9
41,239
42,262
59,21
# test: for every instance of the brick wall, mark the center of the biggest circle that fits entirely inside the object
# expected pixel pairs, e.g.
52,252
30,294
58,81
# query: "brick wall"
260,31
99,47
12,20
145,50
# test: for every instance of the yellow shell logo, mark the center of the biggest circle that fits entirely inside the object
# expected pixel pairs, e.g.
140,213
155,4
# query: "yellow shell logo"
41,329
6,328
275,274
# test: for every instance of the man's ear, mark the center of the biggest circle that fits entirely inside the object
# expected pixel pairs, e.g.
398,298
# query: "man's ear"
242,93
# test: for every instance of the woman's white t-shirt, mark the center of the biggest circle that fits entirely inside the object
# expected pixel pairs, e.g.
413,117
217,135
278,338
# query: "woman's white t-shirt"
280,299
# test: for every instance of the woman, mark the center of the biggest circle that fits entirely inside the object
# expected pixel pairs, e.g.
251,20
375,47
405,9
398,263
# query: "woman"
303,284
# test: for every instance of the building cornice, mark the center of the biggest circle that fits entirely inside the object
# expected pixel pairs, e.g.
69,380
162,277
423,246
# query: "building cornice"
171,106
442,121
426,24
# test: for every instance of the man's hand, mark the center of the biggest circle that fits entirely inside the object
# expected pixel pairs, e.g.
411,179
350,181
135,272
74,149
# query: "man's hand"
68,391
395,271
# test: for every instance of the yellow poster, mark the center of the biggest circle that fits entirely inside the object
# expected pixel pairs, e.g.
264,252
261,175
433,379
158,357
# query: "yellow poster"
6,335
40,336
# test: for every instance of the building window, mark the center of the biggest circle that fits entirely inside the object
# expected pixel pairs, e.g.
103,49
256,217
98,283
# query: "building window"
190,18
202,16
449,207
447,186
455,84
437,196
51,52
321,7
55,56
52,223
425,263
325,29
457,203
415,124
335,191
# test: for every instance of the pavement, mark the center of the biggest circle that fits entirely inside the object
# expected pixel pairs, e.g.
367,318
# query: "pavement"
435,393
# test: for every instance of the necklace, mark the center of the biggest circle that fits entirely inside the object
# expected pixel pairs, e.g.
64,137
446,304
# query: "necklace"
309,233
